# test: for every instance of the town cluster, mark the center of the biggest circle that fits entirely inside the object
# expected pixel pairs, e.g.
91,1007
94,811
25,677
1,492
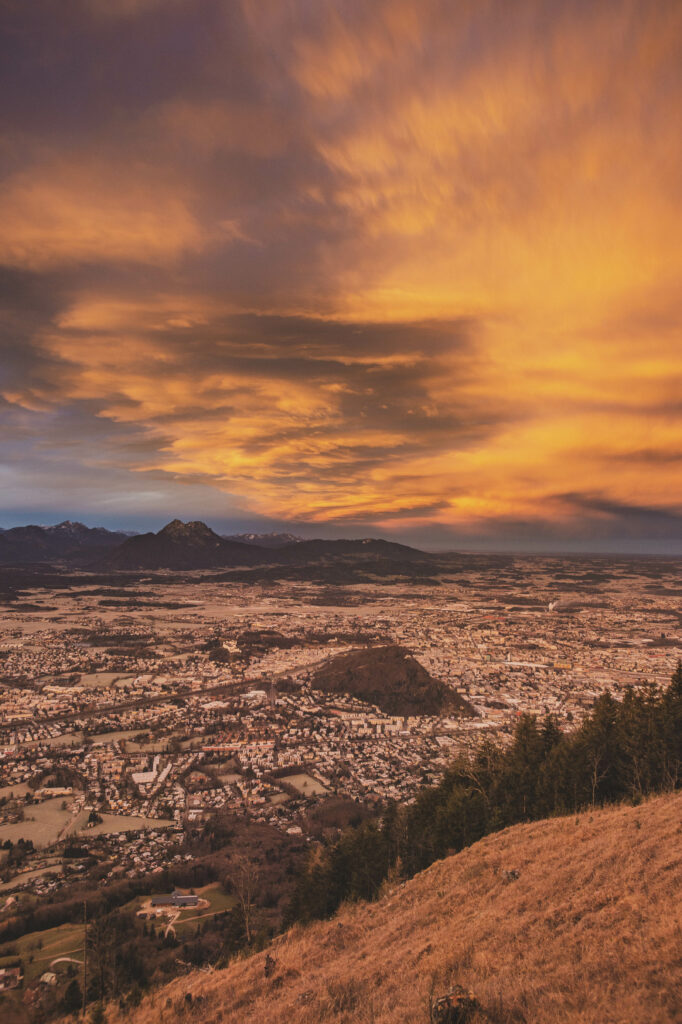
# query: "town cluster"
127,727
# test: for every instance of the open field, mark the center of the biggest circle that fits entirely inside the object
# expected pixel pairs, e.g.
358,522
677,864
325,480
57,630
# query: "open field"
218,900
305,784
278,798
588,933
18,789
99,679
42,824
112,737
112,823
213,900
38,949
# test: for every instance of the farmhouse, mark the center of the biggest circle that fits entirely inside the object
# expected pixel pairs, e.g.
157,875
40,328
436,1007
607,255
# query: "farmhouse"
176,899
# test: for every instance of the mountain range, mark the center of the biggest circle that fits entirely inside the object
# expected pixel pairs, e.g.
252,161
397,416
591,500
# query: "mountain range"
265,540
185,546
68,542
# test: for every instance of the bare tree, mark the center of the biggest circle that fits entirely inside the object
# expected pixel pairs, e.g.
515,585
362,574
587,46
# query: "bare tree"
245,879
597,772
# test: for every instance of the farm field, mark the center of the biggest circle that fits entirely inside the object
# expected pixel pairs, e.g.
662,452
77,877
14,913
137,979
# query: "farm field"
38,949
97,679
112,737
219,902
42,824
112,823
305,784
18,789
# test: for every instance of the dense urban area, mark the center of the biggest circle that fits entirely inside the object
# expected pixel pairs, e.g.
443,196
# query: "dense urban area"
149,723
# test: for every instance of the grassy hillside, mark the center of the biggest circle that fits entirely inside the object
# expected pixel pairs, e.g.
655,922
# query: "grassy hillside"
392,679
589,932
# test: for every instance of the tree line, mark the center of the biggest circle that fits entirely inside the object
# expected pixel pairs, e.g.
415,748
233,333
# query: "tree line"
623,750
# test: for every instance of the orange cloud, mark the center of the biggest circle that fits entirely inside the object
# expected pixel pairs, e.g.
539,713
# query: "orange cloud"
67,214
403,262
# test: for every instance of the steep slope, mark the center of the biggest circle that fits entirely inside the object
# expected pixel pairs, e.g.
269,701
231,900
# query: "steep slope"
589,932
392,679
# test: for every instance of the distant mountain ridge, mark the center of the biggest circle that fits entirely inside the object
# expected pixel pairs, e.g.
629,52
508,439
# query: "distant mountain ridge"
187,546
195,546
368,548
67,541
181,546
264,540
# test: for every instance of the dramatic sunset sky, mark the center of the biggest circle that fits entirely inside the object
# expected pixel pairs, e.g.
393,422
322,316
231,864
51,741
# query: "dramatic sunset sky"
398,267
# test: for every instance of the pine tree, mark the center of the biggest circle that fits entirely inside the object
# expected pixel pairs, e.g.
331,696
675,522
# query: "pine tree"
623,749
72,1000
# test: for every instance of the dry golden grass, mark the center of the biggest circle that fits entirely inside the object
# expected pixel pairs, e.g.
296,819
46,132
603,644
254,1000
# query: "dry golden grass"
590,931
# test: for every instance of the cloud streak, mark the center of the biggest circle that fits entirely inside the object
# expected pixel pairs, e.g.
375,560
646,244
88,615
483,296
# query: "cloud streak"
406,264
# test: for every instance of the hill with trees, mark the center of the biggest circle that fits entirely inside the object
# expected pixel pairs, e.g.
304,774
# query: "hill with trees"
624,750
392,679
565,920
542,873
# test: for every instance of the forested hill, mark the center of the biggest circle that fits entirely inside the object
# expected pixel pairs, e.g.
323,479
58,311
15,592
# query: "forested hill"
566,921
393,680
523,903
623,751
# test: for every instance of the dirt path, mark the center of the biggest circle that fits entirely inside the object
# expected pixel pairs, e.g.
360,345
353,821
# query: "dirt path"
170,926
70,824
198,917
65,955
